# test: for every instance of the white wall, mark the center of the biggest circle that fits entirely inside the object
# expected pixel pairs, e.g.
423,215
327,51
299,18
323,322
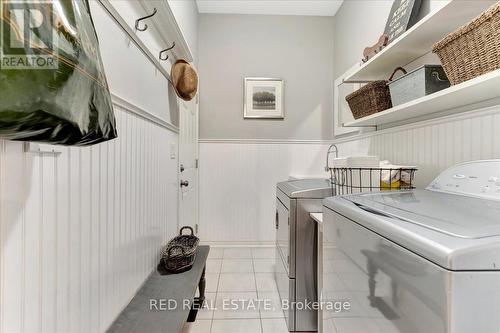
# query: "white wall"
349,50
297,49
127,67
186,15
80,232
238,185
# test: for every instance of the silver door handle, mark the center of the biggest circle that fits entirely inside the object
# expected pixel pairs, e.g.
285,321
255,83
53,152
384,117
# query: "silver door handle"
184,183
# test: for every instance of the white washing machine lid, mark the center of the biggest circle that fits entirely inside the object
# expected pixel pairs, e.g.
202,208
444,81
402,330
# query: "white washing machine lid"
455,232
450,214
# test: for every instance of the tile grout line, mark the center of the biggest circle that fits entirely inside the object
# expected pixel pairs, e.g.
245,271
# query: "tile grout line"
256,290
217,291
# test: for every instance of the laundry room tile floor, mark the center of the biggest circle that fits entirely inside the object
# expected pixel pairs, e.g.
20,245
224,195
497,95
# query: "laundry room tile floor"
236,276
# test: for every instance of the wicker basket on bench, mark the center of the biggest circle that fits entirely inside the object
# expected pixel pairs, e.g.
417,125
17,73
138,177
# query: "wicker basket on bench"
179,254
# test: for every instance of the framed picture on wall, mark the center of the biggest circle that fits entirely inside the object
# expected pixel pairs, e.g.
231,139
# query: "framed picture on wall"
263,98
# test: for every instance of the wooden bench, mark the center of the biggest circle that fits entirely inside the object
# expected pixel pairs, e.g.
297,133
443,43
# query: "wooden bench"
165,302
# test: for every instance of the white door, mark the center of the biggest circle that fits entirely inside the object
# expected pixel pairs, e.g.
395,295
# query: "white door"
188,164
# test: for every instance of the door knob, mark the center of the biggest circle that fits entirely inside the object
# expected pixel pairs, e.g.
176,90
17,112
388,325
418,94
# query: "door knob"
184,183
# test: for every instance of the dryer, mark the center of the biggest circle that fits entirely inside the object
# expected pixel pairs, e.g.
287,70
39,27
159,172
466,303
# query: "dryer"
296,249
416,261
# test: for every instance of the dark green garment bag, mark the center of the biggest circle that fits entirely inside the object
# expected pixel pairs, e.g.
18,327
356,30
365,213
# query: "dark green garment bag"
52,83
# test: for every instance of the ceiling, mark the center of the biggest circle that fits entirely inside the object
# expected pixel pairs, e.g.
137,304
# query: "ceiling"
270,7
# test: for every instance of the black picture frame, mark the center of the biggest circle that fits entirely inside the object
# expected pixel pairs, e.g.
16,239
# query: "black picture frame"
403,15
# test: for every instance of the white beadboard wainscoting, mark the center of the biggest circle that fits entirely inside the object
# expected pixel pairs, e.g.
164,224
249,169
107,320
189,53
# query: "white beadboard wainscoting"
80,232
238,177
238,185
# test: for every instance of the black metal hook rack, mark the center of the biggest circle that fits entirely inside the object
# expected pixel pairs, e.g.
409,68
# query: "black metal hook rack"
133,37
138,21
164,51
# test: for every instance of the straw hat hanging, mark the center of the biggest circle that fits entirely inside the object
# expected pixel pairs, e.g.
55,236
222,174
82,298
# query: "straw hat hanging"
184,79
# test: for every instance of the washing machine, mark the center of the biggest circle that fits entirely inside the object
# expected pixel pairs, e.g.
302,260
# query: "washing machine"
296,249
415,261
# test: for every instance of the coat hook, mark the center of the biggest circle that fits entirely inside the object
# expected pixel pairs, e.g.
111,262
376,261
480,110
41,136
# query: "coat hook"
168,49
143,18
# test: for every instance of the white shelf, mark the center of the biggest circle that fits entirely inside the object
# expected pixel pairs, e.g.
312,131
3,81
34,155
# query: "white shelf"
418,40
453,99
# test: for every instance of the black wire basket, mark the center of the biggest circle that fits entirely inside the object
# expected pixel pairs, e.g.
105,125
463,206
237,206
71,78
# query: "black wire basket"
180,253
356,180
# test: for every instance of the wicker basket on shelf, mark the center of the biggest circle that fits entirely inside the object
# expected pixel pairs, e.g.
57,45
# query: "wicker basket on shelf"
473,49
371,98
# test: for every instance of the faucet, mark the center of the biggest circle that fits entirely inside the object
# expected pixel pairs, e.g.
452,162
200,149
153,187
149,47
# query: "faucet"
330,150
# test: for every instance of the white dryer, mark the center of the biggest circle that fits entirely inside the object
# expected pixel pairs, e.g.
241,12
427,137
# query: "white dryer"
416,261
